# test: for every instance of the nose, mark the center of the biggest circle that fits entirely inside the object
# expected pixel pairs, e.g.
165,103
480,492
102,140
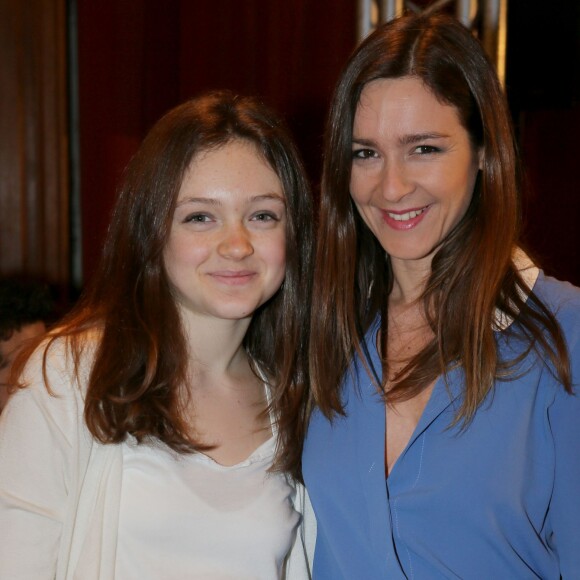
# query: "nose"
236,243
395,181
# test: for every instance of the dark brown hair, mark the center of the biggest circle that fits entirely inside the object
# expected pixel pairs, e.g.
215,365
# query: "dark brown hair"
140,364
473,272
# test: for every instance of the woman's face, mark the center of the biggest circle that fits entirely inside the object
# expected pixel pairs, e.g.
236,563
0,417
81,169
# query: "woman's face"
225,255
413,167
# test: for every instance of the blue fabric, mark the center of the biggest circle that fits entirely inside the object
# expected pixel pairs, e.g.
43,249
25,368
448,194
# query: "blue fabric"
499,500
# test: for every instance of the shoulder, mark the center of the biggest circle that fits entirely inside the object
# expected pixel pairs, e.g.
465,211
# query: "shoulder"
563,300
556,292
60,364
46,412
556,295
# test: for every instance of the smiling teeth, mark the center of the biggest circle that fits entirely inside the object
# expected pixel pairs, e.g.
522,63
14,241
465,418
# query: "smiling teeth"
403,217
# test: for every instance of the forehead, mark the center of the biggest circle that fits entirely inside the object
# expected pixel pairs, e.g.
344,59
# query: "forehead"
403,104
237,165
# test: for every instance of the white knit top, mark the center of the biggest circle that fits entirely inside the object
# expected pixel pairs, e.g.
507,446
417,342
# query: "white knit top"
188,517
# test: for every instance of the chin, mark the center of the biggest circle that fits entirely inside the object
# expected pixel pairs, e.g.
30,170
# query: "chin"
410,252
238,312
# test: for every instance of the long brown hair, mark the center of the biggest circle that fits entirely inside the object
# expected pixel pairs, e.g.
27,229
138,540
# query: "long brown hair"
140,363
473,272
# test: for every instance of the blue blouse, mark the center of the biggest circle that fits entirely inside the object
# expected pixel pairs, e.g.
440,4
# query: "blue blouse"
498,500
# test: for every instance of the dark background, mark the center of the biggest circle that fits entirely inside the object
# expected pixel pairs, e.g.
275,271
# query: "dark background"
543,86
138,58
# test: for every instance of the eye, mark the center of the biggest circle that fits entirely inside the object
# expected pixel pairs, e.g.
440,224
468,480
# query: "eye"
363,153
198,218
265,216
426,149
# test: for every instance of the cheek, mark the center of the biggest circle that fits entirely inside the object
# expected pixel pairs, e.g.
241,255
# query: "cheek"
280,253
453,187
359,188
362,187
362,209
275,255
180,252
465,187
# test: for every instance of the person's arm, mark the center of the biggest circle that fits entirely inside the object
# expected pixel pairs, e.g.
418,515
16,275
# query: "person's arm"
564,418
37,446
564,422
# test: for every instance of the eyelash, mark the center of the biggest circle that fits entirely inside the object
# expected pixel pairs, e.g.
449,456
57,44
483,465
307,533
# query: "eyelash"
200,218
363,153
426,149
203,218
266,214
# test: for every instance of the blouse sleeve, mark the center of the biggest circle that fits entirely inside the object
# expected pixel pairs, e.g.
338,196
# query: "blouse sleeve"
564,418
564,421
36,447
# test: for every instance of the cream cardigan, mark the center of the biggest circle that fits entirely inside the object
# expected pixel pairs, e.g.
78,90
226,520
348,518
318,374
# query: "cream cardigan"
60,489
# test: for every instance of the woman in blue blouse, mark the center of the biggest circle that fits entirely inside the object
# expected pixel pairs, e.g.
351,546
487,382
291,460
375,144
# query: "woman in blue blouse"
445,438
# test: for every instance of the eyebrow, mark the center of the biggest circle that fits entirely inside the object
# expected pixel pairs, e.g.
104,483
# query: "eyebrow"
216,202
410,139
404,140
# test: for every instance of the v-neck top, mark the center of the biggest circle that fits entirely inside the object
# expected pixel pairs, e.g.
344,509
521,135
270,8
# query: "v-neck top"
188,516
497,500
60,493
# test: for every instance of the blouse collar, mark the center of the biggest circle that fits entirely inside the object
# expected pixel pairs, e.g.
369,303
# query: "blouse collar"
529,273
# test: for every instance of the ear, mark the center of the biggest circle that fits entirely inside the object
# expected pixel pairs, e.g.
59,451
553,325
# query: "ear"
480,157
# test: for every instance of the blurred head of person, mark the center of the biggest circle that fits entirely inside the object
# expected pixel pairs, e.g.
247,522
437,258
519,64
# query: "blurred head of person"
26,305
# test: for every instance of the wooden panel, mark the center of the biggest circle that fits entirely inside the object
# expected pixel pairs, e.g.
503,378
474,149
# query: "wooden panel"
34,217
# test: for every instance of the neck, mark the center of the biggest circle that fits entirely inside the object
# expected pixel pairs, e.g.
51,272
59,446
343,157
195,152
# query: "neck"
215,346
409,281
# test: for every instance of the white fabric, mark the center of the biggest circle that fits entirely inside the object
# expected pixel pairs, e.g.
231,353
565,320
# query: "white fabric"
216,522
60,489
529,273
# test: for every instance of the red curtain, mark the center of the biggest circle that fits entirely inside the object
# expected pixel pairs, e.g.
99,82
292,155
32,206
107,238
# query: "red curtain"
138,58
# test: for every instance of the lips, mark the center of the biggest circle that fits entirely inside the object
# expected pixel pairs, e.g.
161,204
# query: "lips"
233,277
406,219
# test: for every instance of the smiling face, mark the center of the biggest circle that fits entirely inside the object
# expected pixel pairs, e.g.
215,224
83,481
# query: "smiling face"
225,255
413,168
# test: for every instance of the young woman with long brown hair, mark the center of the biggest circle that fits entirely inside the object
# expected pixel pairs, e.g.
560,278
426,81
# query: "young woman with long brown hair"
157,429
445,439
